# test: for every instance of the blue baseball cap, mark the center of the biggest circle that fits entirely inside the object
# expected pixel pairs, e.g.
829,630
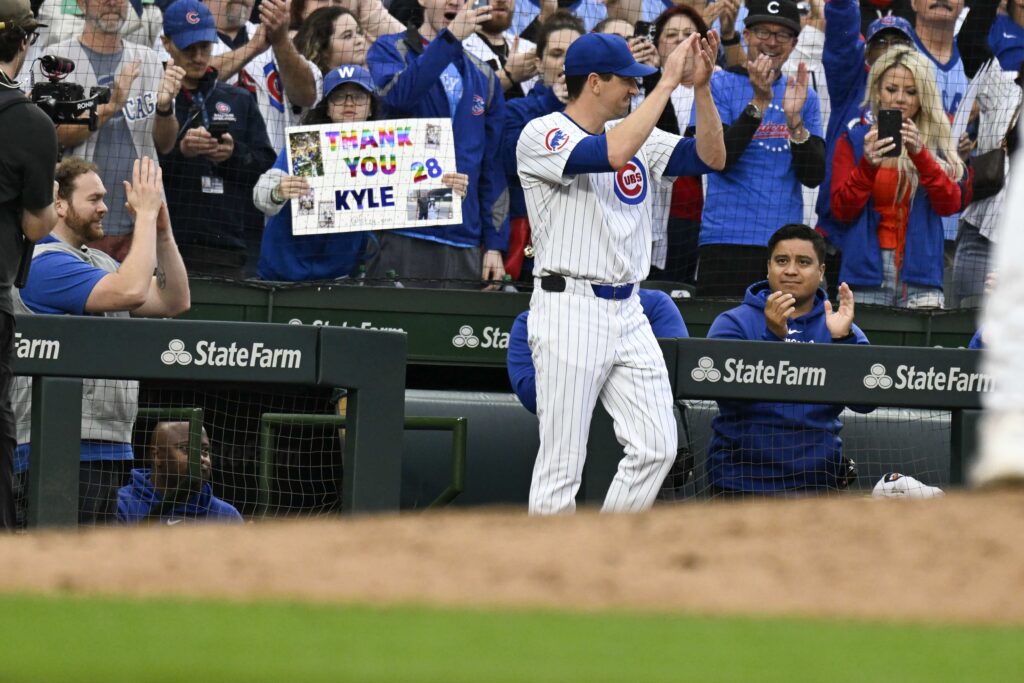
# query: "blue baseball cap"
603,53
348,73
890,23
188,22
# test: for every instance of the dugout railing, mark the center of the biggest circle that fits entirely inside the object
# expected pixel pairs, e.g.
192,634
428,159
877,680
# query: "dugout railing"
58,351
920,378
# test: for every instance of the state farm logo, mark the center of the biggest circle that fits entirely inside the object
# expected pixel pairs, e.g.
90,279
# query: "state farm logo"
490,338
877,379
176,353
210,353
705,370
465,338
42,349
739,371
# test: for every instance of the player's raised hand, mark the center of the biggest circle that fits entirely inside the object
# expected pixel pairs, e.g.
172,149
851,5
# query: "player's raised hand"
679,63
468,20
779,307
840,321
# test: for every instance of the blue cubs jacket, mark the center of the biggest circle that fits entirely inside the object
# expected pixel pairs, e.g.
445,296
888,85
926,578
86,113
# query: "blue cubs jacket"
408,75
767,447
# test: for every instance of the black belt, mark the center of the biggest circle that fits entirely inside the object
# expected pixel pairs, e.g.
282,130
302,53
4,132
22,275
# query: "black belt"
556,283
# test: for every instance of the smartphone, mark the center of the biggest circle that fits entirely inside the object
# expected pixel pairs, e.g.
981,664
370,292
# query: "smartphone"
218,128
644,29
477,4
890,124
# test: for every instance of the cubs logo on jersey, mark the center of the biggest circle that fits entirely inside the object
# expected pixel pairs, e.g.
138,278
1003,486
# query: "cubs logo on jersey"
631,182
478,105
556,139
274,89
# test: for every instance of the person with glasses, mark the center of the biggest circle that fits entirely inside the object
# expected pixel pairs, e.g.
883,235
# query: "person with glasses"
349,96
774,146
220,152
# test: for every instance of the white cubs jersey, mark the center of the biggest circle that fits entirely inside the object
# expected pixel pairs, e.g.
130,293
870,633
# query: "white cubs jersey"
595,226
262,77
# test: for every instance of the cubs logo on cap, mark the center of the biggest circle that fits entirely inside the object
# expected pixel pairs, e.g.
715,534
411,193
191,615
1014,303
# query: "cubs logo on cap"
555,140
223,108
631,182
890,24
192,17
187,22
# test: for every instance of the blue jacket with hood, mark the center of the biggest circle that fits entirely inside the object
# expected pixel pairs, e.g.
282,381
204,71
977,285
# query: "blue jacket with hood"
862,254
408,77
764,447
135,501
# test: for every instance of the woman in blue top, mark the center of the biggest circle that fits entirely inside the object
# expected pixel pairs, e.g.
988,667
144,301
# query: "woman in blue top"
349,95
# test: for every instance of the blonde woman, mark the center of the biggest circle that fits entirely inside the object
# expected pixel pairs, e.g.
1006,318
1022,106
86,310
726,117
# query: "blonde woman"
891,207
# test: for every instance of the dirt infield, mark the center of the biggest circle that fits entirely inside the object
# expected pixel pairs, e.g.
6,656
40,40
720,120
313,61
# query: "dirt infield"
959,559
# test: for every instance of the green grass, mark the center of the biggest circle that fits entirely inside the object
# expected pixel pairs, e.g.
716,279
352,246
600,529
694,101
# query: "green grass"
91,639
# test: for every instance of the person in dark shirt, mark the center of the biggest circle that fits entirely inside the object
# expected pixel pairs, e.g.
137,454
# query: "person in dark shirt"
26,208
209,179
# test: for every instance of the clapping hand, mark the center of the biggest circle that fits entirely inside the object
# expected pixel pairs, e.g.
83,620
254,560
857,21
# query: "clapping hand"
779,307
840,321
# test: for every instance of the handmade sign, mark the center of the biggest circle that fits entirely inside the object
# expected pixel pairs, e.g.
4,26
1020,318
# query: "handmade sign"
373,175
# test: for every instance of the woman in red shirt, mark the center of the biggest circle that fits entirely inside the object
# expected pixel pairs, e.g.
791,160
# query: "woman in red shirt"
891,206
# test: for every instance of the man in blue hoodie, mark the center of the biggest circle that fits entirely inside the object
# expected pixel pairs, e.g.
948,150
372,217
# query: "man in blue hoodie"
167,493
771,448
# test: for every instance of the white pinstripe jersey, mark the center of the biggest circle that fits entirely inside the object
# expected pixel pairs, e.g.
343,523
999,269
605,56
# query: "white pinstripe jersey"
595,226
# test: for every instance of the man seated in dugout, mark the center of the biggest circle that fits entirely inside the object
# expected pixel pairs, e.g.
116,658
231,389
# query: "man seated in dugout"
769,448
167,493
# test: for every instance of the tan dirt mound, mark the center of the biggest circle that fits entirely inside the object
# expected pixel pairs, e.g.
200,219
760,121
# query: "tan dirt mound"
958,559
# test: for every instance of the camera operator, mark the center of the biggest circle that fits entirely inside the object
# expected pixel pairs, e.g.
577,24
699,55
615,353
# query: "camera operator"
26,207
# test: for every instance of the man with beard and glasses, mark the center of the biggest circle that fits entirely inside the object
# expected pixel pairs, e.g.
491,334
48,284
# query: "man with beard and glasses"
774,144
512,58
167,493
69,278
284,82
139,119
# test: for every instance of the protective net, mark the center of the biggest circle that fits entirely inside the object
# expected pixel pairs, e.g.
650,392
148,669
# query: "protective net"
911,442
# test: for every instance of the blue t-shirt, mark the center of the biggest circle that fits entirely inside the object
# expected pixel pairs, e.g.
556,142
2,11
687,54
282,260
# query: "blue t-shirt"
748,202
59,283
1006,40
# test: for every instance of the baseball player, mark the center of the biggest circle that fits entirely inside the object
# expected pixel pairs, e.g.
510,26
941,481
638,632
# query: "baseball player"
587,189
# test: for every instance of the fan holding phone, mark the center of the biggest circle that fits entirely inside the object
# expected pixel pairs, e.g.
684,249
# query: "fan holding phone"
892,183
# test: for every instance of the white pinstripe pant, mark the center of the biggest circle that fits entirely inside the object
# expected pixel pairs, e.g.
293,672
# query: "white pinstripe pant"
585,348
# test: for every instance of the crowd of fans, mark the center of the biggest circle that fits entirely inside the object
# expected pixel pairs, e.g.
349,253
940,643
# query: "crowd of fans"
209,89
202,95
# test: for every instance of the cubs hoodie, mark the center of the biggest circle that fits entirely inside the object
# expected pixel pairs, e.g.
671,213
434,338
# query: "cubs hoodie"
768,447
